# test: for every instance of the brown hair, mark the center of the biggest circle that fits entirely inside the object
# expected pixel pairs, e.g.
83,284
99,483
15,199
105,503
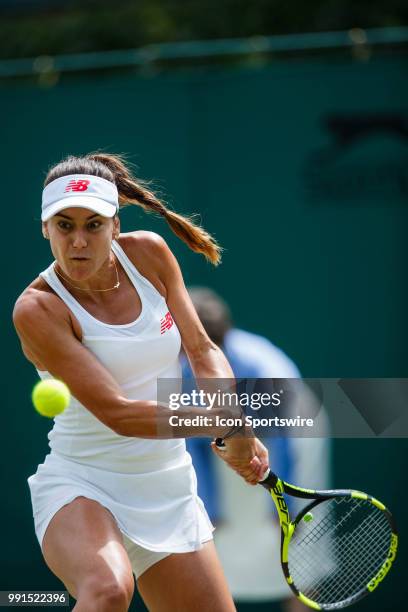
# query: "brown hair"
135,191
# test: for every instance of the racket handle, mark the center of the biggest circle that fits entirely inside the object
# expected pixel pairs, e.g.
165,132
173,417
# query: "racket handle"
265,476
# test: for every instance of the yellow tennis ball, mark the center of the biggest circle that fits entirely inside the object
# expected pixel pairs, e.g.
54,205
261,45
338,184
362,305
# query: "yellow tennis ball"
308,517
50,397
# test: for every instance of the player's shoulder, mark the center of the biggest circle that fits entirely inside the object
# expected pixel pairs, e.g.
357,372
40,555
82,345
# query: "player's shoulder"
142,240
149,252
37,301
151,256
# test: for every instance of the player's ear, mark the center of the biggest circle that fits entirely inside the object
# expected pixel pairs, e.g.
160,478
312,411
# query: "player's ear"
116,227
45,231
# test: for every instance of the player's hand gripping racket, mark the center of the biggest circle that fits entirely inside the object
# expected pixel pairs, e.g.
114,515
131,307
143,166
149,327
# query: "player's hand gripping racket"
338,548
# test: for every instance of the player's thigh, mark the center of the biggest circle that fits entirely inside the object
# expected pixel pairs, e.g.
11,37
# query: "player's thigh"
83,546
185,582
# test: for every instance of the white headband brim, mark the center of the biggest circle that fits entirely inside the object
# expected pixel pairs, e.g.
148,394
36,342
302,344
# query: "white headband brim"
98,206
80,191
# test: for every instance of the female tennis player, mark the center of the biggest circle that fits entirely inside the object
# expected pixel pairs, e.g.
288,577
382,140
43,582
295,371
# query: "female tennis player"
108,317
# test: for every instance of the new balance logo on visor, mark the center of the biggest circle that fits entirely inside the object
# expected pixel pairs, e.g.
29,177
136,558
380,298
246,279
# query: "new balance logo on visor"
166,323
80,185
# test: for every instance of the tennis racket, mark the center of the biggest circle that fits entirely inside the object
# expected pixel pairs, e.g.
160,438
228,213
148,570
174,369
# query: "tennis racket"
338,548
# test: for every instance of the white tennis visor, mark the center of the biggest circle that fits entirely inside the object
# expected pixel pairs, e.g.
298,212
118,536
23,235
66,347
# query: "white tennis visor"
80,191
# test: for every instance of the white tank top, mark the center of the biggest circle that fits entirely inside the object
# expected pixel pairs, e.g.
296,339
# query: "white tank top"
136,354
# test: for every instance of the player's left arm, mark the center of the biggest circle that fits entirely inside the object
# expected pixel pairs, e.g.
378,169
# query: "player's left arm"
206,359
247,456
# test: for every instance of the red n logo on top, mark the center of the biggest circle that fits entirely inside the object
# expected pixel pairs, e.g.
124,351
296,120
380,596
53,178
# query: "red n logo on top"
80,185
166,323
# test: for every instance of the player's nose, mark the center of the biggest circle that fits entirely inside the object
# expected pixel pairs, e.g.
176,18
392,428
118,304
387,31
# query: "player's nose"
79,240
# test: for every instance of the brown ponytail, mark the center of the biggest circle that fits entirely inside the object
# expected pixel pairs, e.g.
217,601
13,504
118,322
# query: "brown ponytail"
135,191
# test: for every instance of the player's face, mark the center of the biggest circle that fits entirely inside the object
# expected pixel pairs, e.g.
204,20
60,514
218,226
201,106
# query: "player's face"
81,241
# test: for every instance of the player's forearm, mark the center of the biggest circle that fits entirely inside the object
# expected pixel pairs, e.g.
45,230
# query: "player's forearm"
149,419
210,362
214,377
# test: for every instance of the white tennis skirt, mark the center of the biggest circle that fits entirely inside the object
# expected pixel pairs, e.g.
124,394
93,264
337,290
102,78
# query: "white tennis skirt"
158,510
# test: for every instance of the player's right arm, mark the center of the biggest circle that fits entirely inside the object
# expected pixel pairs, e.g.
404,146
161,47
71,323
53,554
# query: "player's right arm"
44,326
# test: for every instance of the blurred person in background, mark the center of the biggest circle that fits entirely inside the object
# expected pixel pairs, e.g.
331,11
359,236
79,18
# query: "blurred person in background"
248,533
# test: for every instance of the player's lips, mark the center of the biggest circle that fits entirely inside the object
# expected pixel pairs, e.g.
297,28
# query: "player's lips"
79,258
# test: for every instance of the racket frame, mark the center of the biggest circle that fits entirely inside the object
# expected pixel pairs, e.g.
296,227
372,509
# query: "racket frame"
277,488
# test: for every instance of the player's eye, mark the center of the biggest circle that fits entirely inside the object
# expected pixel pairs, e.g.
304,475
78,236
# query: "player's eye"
93,225
64,225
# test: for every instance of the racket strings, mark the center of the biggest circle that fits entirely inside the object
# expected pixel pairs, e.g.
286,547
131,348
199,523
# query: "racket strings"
334,584
369,535
357,580
321,528
334,556
343,543
348,543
